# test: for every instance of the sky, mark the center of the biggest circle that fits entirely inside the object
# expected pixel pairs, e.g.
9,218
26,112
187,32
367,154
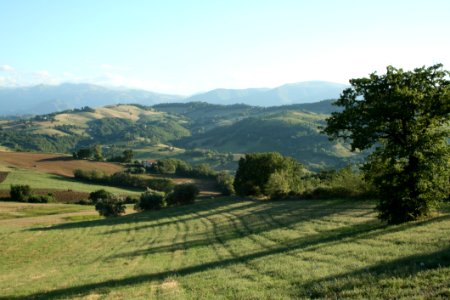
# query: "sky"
189,46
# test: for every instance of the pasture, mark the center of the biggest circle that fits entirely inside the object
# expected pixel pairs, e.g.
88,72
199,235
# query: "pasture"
226,248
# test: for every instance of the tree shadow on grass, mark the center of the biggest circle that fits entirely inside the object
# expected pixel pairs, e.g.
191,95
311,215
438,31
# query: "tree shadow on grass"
173,212
364,230
406,267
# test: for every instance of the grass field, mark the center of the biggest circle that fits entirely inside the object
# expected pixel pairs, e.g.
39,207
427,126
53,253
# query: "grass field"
39,180
228,249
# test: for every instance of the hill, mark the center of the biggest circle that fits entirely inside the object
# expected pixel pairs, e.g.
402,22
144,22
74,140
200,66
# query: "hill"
234,249
198,132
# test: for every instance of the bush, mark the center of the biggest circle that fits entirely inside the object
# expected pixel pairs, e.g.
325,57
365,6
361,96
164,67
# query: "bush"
183,194
84,202
224,183
41,199
20,192
112,206
161,184
151,200
98,195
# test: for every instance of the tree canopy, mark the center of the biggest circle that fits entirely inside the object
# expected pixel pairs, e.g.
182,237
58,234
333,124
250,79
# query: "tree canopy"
404,117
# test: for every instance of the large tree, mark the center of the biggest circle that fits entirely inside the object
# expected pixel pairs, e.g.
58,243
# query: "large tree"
403,116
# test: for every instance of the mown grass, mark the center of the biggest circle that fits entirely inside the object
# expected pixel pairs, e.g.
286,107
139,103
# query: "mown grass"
22,210
40,180
229,249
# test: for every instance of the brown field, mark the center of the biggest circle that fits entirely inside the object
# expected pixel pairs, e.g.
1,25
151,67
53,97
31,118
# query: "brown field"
54,163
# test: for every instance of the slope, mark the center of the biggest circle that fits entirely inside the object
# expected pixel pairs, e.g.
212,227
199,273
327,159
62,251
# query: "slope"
227,249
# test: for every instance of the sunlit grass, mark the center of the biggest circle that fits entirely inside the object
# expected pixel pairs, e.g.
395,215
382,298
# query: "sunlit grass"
228,249
40,180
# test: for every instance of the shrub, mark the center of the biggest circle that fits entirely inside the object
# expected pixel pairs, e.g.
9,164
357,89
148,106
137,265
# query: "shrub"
161,184
183,194
20,192
41,199
224,183
84,202
151,200
112,206
98,195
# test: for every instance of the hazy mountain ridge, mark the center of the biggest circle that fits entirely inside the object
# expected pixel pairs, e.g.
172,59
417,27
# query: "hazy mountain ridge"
43,99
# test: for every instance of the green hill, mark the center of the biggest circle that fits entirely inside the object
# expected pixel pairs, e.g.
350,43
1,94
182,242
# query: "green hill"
197,130
292,133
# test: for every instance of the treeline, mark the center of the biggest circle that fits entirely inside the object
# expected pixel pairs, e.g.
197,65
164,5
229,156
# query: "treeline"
278,177
224,181
124,179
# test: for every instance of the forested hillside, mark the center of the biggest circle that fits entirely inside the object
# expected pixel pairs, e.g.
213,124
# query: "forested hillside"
186,130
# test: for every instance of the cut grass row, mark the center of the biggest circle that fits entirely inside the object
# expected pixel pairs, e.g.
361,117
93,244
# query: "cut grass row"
228,249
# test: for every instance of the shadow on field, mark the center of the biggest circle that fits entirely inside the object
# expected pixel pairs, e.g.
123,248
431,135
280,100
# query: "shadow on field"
58,158
203,205
403,267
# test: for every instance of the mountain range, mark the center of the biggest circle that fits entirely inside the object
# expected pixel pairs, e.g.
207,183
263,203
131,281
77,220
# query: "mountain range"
43,99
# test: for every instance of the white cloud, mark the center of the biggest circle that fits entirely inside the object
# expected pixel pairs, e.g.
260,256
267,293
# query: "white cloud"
6,68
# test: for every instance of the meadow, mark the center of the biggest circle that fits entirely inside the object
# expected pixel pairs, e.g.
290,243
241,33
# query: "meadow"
226,248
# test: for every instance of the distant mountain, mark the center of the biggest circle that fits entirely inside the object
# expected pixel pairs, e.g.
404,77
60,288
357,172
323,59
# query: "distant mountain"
302,92
42,99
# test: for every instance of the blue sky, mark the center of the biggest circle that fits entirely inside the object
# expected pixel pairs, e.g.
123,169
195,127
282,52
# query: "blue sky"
186,46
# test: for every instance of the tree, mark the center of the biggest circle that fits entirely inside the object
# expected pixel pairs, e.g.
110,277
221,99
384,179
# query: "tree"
151,200
404,116
112,206
98,156
99,195
127,156
255,170
20,192
183,194
83,153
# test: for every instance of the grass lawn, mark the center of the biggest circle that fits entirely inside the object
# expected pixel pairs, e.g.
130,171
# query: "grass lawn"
227,249
39,180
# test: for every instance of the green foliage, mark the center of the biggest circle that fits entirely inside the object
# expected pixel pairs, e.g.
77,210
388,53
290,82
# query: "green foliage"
183,194
405,115
259,174
23,193
98,195
98,156
84,153
19,192
124,179
224,182
41,199
127,156
151,200
111,206
160,184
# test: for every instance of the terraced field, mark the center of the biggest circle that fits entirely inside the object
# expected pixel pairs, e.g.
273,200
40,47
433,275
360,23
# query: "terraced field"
228,249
